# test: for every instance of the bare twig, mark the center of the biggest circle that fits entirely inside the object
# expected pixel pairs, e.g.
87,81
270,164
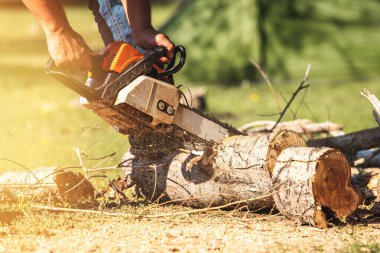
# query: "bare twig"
103,168
101,158
269,83
61,209
79,155
72,210
21,165
303,85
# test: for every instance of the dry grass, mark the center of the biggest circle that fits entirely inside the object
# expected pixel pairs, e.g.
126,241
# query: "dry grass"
215,231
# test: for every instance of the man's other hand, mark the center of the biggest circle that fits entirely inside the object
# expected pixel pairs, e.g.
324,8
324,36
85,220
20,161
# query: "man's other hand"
150,39
69,51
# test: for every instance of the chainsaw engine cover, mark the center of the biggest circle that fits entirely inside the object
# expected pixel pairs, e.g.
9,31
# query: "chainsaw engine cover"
153,97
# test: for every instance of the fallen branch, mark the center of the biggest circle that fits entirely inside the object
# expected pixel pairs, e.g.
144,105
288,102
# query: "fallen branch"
79,155
367,158
352,142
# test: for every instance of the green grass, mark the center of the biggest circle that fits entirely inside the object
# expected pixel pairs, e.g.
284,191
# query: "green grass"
41,120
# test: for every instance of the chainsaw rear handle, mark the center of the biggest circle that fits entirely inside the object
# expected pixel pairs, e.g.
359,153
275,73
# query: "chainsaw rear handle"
170,68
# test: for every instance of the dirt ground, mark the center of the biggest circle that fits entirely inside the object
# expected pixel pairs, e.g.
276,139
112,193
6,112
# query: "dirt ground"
219,231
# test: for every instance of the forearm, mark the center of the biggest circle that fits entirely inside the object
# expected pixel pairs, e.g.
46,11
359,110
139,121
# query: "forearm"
66,47
138,14
49,14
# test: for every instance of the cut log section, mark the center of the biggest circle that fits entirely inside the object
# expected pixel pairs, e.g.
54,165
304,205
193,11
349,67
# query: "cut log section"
239,153
238,169
179,178
306,180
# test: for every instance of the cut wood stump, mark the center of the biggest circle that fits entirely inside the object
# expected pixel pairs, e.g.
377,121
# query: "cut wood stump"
237,169
306,180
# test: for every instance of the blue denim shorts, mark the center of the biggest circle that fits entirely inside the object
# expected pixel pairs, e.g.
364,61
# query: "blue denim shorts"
112,21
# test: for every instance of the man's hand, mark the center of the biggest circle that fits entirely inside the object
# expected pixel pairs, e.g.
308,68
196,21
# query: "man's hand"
138,14
66,47
150,39
69,51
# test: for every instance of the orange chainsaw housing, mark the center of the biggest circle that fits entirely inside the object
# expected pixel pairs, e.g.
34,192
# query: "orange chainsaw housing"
118,56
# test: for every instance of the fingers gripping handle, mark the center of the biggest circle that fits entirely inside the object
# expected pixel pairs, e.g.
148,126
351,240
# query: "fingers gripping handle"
171,69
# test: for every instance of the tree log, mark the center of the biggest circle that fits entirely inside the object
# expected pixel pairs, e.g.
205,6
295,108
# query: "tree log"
38,185
237,169
305,180
45,185
350,143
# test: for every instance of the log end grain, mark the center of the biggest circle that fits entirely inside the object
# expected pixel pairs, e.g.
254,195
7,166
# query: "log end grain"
332,184
306,180
280,141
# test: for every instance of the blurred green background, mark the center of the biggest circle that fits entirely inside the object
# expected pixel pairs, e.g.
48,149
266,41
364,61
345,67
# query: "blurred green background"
42,121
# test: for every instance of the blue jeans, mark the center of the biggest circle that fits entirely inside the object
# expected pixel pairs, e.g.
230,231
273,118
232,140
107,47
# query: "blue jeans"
112,21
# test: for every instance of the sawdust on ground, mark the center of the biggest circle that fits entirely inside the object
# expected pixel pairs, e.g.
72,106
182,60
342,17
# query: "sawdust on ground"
208,232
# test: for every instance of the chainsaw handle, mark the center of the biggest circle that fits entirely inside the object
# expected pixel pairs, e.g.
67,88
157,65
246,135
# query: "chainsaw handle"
155,54
170,68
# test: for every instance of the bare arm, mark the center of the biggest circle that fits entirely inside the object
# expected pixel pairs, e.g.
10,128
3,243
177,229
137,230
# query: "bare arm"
139,17
66,47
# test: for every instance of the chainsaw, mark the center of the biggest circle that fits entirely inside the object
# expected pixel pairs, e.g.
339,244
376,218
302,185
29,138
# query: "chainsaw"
127,89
